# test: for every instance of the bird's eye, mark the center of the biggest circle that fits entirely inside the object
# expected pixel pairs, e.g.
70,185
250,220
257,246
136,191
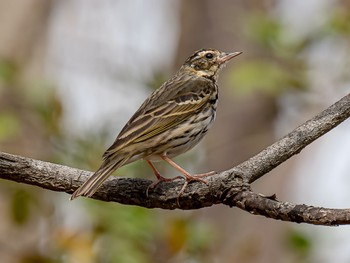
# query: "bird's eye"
209,55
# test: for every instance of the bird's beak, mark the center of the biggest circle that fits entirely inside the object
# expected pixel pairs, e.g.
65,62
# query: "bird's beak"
227,56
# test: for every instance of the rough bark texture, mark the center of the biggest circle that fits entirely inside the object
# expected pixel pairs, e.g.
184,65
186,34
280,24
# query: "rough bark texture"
231,187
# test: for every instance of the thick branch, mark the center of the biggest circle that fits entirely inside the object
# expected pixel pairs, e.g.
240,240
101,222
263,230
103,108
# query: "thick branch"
229,187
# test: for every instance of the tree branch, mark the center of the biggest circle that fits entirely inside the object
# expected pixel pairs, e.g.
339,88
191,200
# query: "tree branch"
268,206
231,187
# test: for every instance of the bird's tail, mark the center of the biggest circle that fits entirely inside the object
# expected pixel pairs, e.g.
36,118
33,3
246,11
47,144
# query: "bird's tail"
95,181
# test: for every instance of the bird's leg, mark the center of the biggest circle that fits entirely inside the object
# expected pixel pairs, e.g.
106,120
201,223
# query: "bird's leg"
159,177
188,176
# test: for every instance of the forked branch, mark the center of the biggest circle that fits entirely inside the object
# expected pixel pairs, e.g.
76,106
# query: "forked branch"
231,187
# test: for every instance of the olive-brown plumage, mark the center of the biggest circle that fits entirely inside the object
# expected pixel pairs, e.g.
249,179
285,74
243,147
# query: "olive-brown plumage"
171,121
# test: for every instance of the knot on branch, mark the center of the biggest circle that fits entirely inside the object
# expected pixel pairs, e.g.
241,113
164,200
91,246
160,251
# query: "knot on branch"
230,194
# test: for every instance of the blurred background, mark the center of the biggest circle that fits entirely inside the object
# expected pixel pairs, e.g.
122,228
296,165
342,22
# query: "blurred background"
72,72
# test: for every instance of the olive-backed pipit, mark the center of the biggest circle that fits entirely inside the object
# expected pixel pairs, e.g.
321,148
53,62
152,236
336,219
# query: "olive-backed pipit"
171,121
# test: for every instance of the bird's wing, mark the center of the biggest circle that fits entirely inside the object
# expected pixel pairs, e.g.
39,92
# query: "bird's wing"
177,103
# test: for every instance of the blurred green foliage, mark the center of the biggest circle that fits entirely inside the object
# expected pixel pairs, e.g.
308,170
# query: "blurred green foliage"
259,75
125,232
9,126
8,71
279,65
20,204
339,22
135,234
300,244
263,29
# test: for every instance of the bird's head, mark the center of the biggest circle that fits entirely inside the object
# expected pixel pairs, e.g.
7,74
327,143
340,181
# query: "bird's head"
208,62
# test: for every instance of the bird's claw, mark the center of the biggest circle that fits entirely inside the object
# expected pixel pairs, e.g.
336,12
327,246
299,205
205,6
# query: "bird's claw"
196,177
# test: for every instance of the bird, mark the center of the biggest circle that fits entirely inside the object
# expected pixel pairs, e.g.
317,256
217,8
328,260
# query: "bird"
171,121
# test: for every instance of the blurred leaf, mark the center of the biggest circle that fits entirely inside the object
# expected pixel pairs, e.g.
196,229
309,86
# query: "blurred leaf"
299,242
20,204
340,21
77,248
202,237
48,107
9,126
8,71
258,75
126,232
36,258
177,234
263,29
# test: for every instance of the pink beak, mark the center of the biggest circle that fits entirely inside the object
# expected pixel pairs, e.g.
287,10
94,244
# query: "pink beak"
227,56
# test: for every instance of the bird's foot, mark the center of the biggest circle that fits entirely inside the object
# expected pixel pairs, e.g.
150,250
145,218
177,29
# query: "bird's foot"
191,178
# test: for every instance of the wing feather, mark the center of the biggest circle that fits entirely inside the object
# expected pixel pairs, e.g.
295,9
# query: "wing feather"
163,110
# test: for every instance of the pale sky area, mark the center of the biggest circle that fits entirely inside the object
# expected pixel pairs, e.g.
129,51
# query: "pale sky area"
100,65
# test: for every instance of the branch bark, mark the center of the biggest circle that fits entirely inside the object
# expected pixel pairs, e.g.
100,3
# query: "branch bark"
231,187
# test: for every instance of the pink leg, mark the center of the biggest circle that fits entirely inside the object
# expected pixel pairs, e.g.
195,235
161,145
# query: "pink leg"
159,177
188,176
